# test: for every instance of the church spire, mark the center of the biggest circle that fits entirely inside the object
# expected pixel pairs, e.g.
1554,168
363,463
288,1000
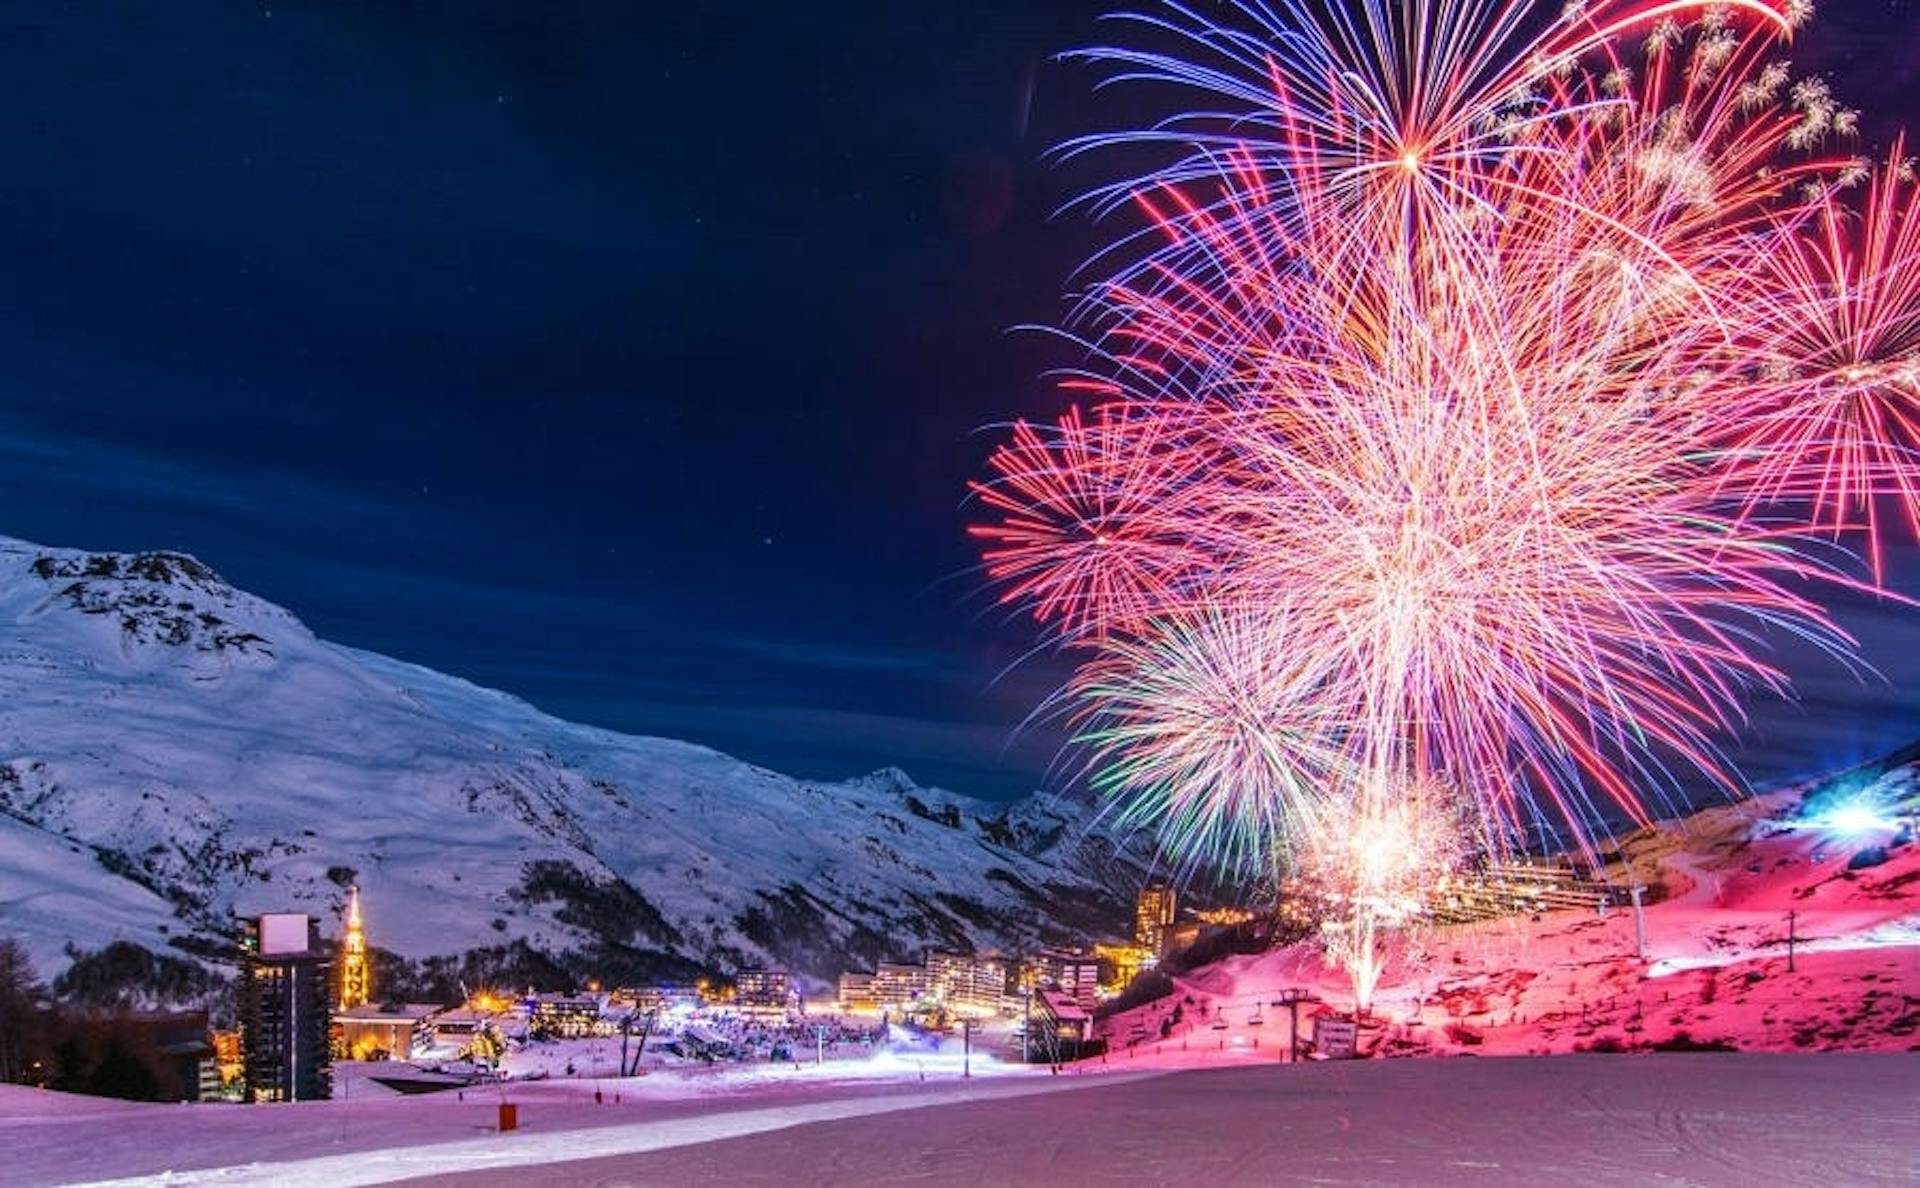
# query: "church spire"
356,983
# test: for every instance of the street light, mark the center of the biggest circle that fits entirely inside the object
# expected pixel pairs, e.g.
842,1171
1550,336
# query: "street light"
1026,1028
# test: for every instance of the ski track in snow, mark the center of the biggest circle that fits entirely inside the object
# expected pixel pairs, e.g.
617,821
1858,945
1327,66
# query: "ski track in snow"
559,1126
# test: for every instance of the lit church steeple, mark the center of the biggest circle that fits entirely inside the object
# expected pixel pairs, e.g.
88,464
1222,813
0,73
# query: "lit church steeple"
356,984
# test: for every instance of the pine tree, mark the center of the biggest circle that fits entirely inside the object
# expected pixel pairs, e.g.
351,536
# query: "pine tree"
120,1073
22,1012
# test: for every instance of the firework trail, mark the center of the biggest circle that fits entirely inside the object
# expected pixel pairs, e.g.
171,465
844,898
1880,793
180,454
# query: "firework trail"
1477,387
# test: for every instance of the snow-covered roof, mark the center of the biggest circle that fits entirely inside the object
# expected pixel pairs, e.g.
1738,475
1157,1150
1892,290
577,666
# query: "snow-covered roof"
1064,1007
412,1012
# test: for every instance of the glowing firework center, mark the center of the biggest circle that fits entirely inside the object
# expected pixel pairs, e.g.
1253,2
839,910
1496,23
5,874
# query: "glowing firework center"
1375,873
1469,389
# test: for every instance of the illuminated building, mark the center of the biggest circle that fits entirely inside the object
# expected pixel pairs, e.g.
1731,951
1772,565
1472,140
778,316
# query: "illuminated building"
898,986
1126,962
857,992
653,998
1074,974
284,998
456,1028
356,980
564,1016
1060,1025
763,991
229,1058
1224,917
474,1031
1184,934
1518,887
963,980
944,970
1153,912
1295,905
955,980
369,1033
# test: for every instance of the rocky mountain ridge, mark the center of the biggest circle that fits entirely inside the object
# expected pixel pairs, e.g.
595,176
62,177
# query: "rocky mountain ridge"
174,751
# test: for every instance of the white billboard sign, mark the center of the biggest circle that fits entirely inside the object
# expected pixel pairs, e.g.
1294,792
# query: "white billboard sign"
283,933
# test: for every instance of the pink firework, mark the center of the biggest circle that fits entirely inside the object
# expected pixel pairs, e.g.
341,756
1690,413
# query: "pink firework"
1840,327
1083,534
1462,414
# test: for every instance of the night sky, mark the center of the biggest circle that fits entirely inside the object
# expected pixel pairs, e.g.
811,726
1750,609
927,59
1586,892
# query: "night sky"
629,359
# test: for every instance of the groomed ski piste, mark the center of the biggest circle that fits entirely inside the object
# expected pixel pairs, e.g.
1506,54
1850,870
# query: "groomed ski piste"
1693,1118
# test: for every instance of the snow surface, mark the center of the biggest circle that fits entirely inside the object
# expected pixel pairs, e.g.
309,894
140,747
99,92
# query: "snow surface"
1696,1119
1693,1118
368,1134
174,751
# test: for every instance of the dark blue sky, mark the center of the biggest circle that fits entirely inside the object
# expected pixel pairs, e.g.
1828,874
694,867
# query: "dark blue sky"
623,357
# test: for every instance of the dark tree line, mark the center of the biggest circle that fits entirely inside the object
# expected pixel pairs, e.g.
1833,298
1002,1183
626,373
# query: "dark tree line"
52,1044
23,1008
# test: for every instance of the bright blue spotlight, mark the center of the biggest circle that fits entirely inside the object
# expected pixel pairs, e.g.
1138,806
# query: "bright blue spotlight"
1857,819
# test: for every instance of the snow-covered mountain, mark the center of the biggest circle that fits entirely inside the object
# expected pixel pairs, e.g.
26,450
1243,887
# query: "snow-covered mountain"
174,751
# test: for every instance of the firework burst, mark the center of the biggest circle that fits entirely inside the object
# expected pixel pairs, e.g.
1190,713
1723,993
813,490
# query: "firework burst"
1481,387
1840,325
1218,733
1374,866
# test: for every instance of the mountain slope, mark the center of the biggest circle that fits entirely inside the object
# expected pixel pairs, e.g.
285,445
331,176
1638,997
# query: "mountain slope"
1772,924
174,751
